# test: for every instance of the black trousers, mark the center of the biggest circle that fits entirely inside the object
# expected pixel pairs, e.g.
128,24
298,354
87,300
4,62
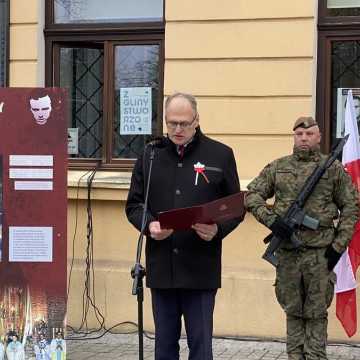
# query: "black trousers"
197,308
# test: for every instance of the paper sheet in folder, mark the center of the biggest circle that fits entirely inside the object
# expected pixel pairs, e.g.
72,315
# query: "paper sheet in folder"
217,211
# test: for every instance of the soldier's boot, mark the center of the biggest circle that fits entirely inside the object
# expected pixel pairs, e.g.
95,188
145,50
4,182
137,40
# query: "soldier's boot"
295,356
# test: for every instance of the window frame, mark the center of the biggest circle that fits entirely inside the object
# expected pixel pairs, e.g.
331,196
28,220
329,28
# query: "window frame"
330,28
108,35
325,21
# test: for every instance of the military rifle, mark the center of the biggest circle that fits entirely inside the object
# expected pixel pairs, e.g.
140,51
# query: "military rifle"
295,216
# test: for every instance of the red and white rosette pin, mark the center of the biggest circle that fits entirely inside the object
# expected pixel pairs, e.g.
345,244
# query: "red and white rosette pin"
200,169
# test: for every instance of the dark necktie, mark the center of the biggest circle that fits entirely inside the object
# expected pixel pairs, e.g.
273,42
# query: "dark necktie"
181,151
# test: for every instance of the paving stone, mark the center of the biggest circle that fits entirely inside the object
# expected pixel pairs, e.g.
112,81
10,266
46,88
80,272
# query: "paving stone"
125,347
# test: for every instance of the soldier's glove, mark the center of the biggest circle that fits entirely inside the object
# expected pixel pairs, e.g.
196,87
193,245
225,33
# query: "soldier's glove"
281,229
333,257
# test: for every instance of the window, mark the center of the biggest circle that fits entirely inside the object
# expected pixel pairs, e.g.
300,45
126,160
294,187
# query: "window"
110,58
338,64
342,8
115,11
4,41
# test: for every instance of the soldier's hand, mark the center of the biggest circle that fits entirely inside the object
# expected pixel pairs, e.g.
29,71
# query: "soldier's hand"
157,233
333,257
281,229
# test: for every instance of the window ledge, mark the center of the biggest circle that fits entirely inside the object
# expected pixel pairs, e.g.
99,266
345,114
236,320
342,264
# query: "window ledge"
106,185
102,179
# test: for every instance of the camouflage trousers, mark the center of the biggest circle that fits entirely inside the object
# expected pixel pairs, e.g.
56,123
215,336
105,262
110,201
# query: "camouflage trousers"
305,288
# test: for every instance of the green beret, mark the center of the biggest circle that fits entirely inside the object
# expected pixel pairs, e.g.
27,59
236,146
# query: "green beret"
304,122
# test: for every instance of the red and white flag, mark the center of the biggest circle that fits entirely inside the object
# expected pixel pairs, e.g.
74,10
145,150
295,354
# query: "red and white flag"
345,270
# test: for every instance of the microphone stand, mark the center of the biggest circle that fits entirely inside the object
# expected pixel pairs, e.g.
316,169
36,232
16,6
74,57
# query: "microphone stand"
138,271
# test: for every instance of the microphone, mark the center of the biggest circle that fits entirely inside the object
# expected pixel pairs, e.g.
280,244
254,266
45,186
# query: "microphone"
158,142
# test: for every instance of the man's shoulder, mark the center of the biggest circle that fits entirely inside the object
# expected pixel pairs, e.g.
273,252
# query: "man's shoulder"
336,165
282,162
337,170
215,144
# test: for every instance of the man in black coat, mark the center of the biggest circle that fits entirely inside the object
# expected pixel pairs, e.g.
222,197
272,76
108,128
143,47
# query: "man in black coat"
183,268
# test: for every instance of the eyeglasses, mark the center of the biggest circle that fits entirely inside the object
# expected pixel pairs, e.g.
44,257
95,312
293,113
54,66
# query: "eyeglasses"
182,124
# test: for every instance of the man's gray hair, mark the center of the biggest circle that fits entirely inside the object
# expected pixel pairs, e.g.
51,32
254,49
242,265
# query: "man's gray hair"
190,98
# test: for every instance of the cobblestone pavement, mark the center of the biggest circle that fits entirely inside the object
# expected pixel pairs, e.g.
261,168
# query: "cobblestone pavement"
125,347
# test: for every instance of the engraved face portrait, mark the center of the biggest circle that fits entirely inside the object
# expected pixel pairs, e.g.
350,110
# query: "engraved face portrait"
41,109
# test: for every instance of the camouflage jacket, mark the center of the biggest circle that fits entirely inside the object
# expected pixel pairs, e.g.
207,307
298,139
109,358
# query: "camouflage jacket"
333,201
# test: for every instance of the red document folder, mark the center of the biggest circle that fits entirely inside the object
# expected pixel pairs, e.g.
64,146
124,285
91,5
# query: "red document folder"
217,211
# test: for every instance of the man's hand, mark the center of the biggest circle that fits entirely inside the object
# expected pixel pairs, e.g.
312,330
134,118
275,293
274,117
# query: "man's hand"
333,257
205,231
157,233
280,229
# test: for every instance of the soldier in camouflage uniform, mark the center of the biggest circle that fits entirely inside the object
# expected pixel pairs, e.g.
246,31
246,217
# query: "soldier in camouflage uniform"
304,284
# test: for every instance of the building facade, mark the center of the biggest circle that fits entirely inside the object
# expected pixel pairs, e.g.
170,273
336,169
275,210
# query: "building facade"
254,66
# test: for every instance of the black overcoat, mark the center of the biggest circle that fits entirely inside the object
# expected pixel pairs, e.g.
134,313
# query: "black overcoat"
183,260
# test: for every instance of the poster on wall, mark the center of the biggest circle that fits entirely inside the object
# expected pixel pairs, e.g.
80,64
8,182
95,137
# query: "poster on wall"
73,141
1,205
340,110
135,111
33,212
